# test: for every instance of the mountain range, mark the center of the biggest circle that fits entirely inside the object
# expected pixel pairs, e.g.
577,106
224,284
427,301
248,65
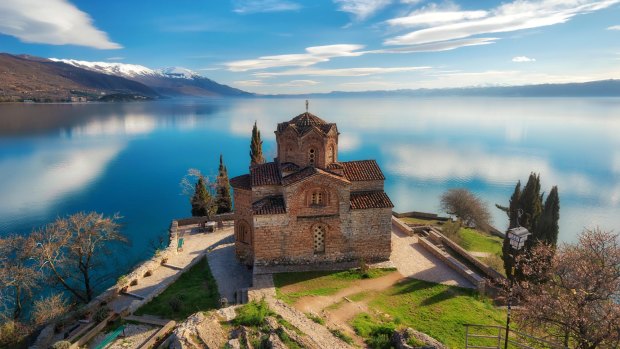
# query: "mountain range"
24,78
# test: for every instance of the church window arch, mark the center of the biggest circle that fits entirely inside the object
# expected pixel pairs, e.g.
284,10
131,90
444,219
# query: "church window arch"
318,234
311,156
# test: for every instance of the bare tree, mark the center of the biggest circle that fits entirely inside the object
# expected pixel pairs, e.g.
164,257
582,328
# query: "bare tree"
467,207
48,309
74,249
575,292
19,275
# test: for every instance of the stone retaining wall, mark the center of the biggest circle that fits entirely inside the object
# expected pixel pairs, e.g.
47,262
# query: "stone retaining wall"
453,263
402,226
490,272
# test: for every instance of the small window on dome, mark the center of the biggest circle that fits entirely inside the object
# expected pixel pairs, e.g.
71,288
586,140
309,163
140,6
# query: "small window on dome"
311,156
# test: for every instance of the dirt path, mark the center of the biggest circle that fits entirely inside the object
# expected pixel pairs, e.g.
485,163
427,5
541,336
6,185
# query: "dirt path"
340,316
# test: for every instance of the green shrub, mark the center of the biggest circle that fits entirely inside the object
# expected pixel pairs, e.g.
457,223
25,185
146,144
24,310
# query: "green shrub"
101,314
62,345
176,304
378,335
253,314
319,320
337,333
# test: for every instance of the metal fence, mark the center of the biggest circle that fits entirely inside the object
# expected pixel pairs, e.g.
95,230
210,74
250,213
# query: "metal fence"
493,337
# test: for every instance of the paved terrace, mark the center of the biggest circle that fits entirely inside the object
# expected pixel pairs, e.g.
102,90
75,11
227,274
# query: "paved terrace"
219,248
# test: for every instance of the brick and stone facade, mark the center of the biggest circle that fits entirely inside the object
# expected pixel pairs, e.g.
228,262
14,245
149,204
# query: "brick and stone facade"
306,206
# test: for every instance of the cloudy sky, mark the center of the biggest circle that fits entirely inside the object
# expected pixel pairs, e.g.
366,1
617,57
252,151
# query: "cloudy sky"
294,46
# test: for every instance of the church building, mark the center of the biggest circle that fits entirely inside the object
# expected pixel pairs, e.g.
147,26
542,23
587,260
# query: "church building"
308,207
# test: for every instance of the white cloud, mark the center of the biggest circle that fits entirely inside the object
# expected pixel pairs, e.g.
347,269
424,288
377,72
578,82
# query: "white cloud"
248,83
116,58
341,72
55,22
523,59
614,27
299,83
254,6
438,46
508,17
312,56
361,9
431,15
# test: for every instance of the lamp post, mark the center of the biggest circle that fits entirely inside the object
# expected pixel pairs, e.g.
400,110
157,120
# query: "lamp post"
517,237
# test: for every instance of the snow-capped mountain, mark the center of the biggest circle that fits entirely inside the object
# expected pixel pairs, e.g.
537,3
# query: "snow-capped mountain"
173,81
129,70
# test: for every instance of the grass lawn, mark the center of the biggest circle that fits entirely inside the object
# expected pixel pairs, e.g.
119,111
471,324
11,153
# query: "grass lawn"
437,310
319,283
420,221
474,240
196,290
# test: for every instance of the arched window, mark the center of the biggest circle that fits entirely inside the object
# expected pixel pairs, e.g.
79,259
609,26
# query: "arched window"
319,238
311,156
317,198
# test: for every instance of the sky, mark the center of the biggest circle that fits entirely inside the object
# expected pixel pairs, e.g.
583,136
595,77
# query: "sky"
294,46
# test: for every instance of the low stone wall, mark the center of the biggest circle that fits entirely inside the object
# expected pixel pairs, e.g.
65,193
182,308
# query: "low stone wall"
93,332
420,215
150,343
453,263
148,267
488,271
162,286
402,226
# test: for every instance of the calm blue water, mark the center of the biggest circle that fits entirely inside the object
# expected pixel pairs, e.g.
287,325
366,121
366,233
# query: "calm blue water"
129,158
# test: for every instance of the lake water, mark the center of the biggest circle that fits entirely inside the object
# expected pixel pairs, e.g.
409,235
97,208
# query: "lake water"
129,158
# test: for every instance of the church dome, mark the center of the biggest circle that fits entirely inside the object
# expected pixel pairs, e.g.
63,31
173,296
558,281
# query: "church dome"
307,119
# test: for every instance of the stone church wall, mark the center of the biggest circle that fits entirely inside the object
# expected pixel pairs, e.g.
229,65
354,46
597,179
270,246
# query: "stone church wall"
243,215
371,233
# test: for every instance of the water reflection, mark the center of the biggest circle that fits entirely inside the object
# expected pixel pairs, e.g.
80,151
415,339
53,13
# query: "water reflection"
130,156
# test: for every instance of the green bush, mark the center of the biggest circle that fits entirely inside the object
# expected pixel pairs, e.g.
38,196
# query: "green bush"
176,304
101,314
378,335
319,320
337,333
253,314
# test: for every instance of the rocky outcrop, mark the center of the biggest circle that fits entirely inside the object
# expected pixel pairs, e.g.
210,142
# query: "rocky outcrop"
199,331
400,339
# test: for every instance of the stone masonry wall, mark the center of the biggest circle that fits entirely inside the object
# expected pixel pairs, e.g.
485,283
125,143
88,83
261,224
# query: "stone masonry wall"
371,233
350,234
243,216
262,191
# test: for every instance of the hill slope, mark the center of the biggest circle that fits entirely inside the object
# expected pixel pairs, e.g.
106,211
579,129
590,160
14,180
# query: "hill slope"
173,82
39,79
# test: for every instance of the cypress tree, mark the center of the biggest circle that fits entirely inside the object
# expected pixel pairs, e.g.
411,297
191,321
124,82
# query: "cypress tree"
531,203
548,227
223,199
256,147
512,211
201,200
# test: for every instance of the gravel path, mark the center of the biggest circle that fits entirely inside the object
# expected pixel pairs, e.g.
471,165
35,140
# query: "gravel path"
227,271
412,260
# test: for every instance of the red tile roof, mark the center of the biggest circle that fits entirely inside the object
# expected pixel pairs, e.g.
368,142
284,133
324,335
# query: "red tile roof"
370,199
265,174
363,170
269,205
307,172
305,122
241,182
